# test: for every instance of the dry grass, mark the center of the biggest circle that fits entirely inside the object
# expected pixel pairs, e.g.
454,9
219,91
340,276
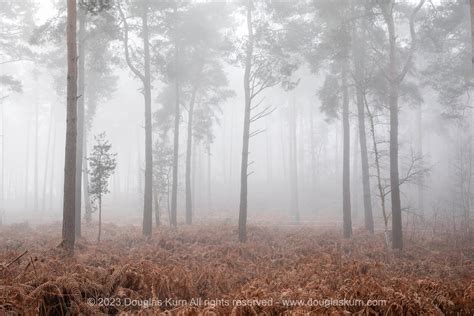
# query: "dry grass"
278,263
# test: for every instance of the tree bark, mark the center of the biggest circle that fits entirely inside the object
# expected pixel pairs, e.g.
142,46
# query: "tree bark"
68,234
145,78
189,200
346,182
174,187
147,210
395,79
397,235
246,131
358,61
80,118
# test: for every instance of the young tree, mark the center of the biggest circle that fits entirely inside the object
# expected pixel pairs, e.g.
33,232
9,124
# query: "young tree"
102,165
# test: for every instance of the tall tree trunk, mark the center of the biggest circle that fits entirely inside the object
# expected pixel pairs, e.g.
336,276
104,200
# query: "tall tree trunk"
46,164
68,234
420,182
346,182
313,149
189,200
355,175
36,152
397,235
395,78
358,61
364,159
174,187
147,210
145,78
293,164
27,165
246,131
80,117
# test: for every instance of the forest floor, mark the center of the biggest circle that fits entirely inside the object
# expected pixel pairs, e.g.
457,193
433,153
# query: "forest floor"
204,270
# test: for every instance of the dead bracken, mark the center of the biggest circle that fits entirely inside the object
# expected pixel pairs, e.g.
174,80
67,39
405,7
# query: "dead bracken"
205,270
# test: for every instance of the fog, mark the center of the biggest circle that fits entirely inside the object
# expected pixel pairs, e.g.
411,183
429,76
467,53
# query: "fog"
433,144
244,157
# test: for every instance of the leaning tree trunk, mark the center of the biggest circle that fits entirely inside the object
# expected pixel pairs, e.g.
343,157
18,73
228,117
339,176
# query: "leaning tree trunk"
80,119
346,182
189,200
246,132
174,187
68,234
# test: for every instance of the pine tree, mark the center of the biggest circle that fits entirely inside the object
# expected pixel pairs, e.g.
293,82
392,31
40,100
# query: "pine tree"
102,165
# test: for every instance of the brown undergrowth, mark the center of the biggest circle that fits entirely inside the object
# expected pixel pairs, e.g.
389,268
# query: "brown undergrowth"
126,274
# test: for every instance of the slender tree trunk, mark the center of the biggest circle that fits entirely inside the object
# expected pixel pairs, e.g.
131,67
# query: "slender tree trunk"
397,236
68,233
80,117
246,132
100,218
189,200
85,181
27,165
358,49
420,184
147,211
46,164
36,152
355,175
157,207
293,164
313,148
51,178
209,195
174,188
145,78
377,165
346,182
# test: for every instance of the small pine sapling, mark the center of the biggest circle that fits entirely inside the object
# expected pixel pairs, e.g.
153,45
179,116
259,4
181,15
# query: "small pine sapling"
102,165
